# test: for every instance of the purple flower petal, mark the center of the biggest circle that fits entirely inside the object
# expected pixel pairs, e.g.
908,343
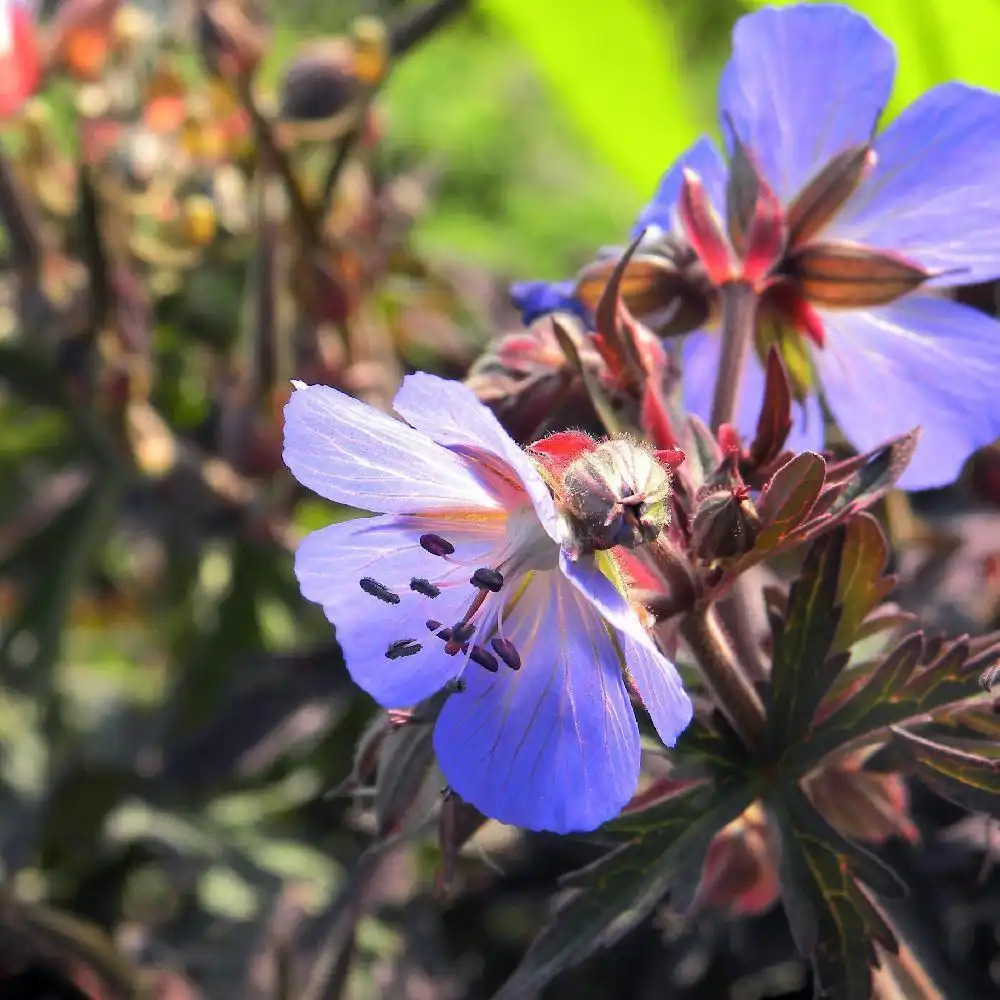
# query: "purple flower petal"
554,745
656,679
923,361
331,562
701,363
538,298
704,159
933,195
803,84
351,453
453,416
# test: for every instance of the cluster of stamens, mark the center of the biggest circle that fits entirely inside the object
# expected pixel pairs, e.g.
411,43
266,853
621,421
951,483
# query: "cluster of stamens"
456,637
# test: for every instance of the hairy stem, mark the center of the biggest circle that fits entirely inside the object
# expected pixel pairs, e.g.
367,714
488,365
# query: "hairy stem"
735,695
739,311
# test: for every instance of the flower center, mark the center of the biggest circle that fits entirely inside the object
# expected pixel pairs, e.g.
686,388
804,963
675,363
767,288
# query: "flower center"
526,549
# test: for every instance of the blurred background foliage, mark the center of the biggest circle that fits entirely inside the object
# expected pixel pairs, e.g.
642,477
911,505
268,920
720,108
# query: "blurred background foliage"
173,715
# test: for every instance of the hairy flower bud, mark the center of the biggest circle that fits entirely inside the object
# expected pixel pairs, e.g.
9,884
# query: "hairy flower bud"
619,494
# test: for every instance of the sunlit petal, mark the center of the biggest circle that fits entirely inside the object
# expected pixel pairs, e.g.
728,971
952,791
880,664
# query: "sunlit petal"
353,454
554,745
331,562
933,195
656,679
922,361
803,84
453,416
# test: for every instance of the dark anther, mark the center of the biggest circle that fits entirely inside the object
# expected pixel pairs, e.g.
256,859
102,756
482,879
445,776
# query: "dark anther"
425,587
432,625
462,632
488,579
457,686
379,590
436,545
402,647
504,648
484,658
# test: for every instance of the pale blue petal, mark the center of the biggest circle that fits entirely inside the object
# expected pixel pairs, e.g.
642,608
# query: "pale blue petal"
701,363
933,196
453,416
703,158
353,454
804,83
655,677
330,563
554,745
922,361
539,298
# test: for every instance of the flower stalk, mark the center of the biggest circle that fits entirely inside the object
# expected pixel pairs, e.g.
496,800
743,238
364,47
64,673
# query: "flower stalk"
733,691
739,312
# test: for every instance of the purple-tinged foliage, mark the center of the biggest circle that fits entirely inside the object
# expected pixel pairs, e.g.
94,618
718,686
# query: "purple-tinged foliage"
874,229
466,555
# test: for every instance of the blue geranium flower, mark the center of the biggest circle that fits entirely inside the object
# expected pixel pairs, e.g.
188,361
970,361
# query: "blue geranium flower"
801,94
461,583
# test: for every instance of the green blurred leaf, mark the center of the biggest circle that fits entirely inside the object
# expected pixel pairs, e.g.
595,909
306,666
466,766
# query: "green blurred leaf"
830,917
803,669
614,894
614,68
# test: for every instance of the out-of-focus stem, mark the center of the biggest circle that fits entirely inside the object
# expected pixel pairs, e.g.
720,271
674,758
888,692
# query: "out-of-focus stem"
735,695
739,312
743,617
19,217
423,23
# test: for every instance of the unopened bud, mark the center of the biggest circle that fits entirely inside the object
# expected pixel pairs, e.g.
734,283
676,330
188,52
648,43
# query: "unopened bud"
619,495
725,524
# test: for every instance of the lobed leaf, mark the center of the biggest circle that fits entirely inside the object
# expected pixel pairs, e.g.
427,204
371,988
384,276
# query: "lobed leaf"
831,918
614,894
905,687
803,668
959,775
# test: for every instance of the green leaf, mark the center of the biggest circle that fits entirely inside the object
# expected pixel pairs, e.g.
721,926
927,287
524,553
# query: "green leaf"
614,894
803,669
831,918
862,585
905,687
963,777
614,69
